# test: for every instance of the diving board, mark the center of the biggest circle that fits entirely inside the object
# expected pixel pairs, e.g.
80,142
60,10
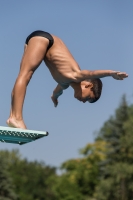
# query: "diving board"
19,136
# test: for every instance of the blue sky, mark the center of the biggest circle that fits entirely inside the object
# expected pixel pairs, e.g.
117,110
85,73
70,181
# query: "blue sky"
99,34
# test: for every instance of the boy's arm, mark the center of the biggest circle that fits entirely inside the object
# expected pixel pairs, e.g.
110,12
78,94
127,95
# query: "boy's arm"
86,74
57,92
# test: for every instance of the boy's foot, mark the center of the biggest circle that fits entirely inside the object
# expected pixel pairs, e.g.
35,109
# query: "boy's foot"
15,123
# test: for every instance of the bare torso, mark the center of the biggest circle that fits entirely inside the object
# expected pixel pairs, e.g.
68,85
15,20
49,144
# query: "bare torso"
61,63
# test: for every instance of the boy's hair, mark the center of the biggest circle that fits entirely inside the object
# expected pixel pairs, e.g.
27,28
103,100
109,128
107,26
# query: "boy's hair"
97,88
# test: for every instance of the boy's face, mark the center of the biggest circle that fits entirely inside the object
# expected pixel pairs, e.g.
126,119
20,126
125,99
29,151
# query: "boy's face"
85,94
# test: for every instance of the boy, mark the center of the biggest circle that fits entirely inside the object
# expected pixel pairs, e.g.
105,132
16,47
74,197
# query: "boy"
42,46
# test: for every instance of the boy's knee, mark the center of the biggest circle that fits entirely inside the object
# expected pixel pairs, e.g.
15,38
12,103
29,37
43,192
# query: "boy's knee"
25,77
28,76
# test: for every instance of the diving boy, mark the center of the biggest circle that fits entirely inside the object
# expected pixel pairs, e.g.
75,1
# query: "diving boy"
42,46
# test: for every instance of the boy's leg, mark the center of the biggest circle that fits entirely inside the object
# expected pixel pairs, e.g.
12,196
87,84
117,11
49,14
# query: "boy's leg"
32,58
25,46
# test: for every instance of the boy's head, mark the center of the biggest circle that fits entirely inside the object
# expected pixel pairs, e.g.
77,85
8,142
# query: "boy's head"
90,90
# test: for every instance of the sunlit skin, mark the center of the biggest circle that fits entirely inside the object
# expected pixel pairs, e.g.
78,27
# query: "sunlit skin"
64,70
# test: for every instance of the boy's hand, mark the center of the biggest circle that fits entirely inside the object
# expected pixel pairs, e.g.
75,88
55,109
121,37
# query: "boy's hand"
119,75
55,100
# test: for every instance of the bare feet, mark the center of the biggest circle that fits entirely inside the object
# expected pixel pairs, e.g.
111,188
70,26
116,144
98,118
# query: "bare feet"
16,123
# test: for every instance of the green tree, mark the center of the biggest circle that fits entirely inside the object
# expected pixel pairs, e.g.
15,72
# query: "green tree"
33,180
117,170
6,183
80,176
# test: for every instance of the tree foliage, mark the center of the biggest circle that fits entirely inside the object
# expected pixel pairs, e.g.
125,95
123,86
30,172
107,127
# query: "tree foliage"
33,180
81,175
117,170
6,183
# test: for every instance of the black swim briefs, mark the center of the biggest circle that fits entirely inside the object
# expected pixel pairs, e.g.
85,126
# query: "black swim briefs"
42,34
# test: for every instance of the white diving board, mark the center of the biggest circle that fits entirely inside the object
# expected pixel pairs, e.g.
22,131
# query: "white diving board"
19,136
